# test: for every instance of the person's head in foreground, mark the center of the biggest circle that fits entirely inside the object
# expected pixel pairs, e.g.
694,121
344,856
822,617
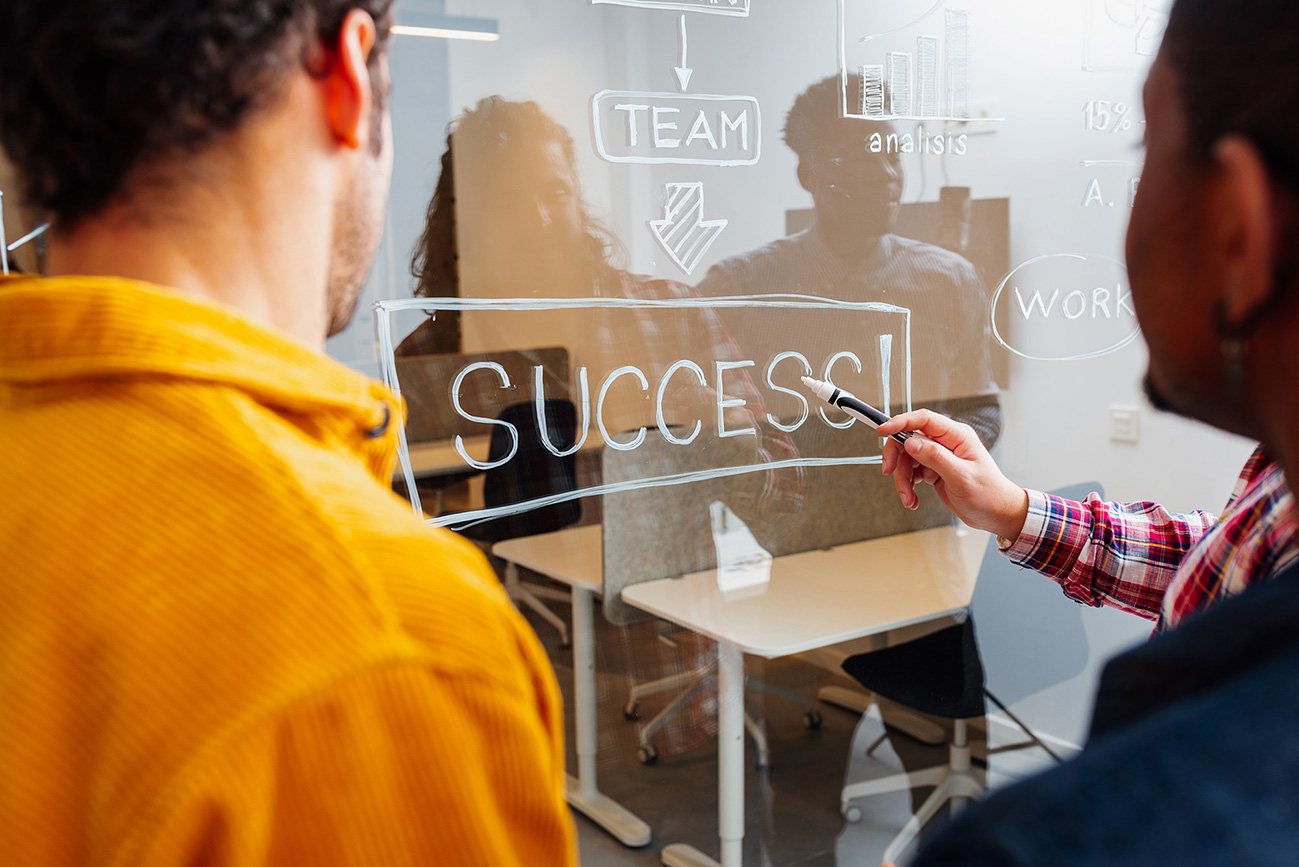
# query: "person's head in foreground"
153,124
1191,756
223,639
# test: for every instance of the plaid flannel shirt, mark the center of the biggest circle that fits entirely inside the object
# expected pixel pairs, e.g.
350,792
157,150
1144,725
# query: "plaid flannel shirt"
1140,558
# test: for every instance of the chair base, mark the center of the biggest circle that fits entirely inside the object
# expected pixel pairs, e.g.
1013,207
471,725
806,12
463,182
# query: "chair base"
956,782
695,681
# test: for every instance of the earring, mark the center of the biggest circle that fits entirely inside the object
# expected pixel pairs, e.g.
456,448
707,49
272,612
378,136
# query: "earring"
1234,349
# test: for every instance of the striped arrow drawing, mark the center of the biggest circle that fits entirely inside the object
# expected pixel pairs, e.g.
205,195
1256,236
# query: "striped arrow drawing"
683,232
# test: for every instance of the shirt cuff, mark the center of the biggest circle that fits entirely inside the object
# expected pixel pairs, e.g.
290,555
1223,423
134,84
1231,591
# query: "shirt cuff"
1035,528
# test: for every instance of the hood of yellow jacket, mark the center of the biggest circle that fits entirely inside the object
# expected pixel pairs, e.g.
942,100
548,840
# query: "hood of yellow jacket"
78,328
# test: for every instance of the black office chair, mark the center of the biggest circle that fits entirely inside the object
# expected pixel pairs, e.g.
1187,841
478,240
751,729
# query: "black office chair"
940,674
533,473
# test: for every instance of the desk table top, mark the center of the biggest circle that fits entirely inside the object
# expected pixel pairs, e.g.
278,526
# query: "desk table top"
574,556
818,598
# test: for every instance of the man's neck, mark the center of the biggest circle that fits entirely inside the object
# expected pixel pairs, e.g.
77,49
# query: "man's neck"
252,234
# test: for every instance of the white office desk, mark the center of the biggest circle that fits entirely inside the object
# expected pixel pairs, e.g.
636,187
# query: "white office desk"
814,599
576,557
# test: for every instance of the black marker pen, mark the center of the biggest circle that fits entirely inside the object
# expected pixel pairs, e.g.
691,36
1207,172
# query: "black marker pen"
835,396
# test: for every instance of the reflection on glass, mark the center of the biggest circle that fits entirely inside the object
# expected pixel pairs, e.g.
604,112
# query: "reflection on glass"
508,222
853,172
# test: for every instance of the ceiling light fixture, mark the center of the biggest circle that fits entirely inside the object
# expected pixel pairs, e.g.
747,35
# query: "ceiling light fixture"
434,26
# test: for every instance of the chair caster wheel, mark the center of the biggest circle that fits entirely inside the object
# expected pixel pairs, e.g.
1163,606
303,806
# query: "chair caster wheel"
648,755
631,711
852,814
812,719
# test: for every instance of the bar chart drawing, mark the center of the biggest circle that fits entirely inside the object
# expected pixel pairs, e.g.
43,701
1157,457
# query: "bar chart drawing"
908,72
899,63
872,91
927,75
958,62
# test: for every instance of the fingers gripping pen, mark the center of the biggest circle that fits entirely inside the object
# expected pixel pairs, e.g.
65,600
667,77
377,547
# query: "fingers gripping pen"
835,396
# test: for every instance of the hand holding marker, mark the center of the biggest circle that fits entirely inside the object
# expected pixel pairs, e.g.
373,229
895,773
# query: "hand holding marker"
836,396
948,455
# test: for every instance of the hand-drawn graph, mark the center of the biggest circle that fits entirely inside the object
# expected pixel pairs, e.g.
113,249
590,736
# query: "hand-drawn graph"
683,232
1123,34
739,8
912,60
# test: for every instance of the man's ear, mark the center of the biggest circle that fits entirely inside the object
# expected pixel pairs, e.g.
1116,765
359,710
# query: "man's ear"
806,177
1246,227
349,96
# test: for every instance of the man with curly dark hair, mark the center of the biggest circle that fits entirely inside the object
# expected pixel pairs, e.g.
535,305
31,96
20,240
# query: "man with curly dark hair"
223,640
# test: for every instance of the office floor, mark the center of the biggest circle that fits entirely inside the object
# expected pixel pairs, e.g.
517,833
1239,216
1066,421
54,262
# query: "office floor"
793,817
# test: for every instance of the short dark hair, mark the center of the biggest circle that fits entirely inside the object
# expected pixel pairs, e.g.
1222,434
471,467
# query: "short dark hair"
818,112
90,91
1237,66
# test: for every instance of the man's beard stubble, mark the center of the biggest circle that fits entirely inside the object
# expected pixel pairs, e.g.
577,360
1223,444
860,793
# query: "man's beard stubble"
353,256
1157,398
358,228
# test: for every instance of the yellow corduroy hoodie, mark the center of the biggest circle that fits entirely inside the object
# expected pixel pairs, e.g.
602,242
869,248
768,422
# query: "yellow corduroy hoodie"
223,640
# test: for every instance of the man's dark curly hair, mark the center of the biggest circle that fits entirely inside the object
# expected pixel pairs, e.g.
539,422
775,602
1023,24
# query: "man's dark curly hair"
1236,66
92,90
818,112
815,112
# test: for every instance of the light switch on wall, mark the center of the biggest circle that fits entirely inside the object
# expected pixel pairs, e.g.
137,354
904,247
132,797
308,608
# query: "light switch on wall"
1125,424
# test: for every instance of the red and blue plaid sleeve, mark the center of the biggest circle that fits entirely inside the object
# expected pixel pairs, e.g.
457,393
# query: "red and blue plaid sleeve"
1101,553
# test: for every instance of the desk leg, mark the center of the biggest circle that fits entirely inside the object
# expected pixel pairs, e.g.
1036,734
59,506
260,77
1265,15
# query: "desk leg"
730,768
583,792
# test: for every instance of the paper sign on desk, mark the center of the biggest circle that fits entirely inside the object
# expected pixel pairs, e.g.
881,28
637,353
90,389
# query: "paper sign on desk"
743,566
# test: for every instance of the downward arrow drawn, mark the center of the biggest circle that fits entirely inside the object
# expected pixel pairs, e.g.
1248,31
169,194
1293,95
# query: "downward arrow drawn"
683,72
683,232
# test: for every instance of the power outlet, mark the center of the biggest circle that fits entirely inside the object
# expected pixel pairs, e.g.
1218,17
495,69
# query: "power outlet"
1125,424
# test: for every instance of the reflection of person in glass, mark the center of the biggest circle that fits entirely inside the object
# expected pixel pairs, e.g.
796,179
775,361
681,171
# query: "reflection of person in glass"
518,226
851,254
507,220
